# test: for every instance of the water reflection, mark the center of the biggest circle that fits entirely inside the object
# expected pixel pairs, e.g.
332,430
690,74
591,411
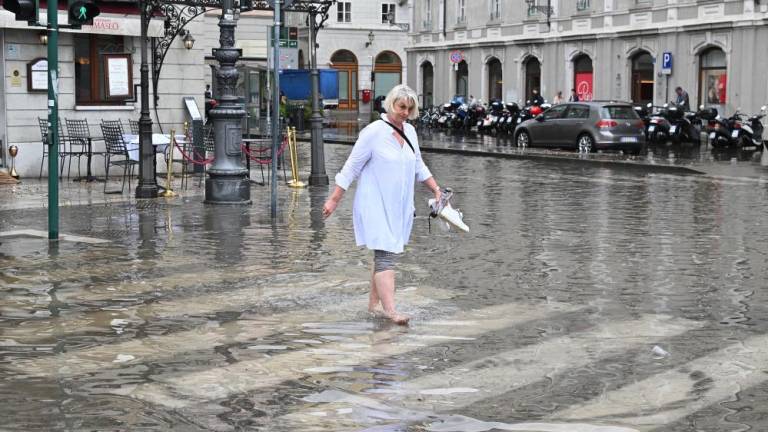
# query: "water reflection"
218,318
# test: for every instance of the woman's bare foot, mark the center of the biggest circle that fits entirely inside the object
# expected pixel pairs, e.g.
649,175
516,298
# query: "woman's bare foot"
397,318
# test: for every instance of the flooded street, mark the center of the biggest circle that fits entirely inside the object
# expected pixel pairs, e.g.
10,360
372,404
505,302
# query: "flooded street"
583,299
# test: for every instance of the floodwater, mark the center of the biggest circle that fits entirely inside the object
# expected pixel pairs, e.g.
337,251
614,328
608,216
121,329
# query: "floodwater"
582,300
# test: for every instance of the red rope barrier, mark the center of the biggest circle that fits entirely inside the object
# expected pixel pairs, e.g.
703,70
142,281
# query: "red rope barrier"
248,153
194,161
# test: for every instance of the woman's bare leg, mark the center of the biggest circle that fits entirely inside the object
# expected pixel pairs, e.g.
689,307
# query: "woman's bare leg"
373,297
385,288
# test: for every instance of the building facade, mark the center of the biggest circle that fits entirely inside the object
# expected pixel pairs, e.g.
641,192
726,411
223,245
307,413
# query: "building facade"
365,41
638,50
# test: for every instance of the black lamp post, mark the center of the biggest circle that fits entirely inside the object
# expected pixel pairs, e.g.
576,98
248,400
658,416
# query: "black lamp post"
317,176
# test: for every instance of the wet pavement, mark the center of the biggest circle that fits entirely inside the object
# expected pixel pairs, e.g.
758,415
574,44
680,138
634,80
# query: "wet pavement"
584,298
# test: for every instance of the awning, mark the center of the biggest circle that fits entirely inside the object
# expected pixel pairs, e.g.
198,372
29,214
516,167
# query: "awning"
108,24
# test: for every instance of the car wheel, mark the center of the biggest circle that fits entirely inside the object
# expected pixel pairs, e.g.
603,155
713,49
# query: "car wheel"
523,139
585,143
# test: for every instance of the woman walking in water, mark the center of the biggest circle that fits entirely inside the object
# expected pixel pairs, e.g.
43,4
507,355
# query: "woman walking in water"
387,159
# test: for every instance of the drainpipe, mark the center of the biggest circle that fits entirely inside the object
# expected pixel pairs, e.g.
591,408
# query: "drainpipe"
445,17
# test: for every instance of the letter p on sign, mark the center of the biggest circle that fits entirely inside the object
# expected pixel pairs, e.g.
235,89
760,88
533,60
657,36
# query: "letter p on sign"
666,63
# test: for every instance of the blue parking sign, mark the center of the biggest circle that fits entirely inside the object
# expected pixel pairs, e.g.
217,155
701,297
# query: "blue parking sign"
666,63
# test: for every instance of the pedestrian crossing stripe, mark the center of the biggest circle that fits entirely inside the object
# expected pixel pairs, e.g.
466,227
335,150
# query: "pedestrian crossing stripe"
486,378
188,389
671,395
205,337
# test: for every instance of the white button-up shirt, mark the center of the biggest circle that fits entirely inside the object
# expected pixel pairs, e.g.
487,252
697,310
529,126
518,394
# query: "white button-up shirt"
383,207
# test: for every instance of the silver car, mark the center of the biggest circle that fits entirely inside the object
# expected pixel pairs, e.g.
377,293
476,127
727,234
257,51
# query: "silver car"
586,126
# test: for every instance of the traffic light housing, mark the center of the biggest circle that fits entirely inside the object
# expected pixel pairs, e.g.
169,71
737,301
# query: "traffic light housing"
82,12
25,10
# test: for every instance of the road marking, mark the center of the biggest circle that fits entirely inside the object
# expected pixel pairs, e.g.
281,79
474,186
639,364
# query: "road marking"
674,394
187,389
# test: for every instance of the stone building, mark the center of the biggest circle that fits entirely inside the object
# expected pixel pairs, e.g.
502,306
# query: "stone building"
638,50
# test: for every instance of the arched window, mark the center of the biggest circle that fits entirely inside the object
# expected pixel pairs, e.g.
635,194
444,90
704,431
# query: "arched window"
642,78
495,82
346,64
427,84
462,75
532,76
387,72
713,73
582,77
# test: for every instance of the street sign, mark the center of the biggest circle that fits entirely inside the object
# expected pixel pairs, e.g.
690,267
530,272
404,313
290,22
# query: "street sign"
457,56
666,63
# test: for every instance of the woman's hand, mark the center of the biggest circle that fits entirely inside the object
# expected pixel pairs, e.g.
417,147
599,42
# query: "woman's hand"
329,207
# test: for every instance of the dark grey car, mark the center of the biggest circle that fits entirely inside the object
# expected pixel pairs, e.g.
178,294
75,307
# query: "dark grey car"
587,126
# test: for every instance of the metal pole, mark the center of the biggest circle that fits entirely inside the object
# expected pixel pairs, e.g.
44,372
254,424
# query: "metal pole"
147,187
227,181
53,120
317,176
275,105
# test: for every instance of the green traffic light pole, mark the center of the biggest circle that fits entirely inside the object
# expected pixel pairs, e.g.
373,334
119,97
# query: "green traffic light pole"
53,120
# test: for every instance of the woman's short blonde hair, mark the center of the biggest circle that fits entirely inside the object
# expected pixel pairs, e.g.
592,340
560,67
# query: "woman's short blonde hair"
402,91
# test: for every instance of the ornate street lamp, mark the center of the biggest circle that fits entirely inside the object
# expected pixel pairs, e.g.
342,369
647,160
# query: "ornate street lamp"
188,40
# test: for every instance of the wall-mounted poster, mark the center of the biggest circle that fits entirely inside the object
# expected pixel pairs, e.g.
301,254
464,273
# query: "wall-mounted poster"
37,75
119,76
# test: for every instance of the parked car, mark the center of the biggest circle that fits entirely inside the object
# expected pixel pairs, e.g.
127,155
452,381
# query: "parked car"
586,126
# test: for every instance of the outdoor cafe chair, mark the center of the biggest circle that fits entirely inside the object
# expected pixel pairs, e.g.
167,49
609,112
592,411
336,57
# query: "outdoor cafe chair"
79,132
117,151
43,123
134,124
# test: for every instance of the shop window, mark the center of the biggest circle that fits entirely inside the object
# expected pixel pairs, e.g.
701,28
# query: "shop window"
90,72
713,77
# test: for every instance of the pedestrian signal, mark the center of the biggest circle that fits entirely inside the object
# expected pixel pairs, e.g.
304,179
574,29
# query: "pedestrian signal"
25,10
82,12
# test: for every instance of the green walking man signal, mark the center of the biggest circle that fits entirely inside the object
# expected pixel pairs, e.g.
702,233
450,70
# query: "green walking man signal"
82,12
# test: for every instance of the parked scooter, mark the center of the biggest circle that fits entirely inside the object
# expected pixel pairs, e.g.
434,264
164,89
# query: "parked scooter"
658,124
748,134
681,125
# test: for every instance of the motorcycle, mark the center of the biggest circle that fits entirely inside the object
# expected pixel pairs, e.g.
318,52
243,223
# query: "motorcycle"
491,120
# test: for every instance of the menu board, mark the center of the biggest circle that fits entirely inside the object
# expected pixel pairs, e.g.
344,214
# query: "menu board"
119,77
37,75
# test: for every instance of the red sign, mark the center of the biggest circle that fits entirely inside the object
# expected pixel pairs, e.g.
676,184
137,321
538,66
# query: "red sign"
584,85
457,56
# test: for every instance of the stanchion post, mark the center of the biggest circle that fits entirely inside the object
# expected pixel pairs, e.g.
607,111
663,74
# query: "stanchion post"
168,192
295,182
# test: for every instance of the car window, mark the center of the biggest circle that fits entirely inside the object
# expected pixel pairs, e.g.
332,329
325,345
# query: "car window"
620,112
555,112
578,112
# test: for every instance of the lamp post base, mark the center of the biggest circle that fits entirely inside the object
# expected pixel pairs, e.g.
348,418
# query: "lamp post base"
318,180
227,190
146,191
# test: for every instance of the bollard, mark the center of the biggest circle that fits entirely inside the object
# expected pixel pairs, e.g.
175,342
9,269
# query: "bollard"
13,151
294,182
168,192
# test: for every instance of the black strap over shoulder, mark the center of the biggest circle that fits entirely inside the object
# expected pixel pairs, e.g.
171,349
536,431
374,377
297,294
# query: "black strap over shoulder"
402,134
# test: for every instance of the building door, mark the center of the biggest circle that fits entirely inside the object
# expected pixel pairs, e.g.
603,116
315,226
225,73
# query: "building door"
387,72
642,78
427,84
462,78
532,77
346,63
495,82
582,77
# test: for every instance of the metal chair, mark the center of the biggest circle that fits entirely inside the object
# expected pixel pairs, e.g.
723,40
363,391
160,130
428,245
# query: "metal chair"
115,145
43,123
209,145
80,133
134,124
